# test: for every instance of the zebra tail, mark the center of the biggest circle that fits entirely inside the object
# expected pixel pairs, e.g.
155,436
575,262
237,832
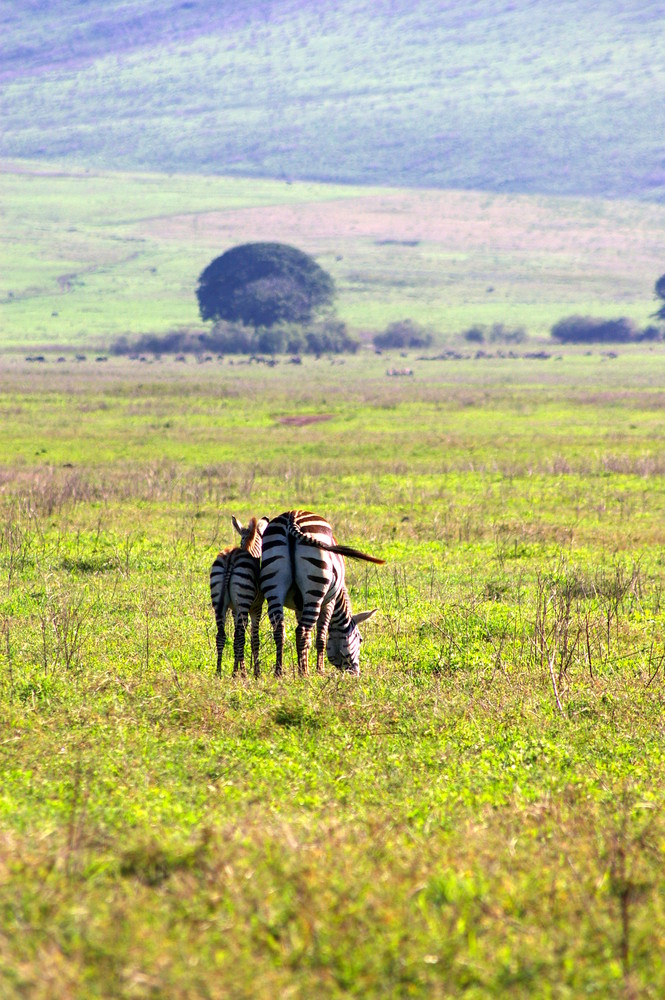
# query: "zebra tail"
342,550
346,550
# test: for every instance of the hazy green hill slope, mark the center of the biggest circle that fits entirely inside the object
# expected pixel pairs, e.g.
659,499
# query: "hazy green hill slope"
555,97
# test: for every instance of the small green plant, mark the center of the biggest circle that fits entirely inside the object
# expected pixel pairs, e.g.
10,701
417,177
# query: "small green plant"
294,715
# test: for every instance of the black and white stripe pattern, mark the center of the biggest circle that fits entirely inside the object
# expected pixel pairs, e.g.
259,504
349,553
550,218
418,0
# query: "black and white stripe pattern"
302,568
234,585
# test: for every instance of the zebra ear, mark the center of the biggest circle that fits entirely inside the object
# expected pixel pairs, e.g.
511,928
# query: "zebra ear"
362,616
262,524
236,524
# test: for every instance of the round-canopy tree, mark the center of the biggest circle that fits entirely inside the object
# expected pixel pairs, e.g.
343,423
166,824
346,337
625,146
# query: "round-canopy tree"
660,293
262,284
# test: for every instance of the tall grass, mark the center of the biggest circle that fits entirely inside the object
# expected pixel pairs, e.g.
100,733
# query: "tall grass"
480,813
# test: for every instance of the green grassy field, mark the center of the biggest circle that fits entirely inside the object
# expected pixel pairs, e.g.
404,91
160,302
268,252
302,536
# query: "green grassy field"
479,814
90,256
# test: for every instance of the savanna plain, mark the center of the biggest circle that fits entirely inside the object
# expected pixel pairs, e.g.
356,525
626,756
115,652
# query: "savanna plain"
480,813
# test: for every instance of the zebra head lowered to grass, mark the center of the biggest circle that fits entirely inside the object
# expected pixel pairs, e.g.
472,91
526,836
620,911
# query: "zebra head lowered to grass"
235,586
302,567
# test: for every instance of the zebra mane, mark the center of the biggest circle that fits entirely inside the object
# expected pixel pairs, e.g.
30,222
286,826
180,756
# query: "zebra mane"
342,550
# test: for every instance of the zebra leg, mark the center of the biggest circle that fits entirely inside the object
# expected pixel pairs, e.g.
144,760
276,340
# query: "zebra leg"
322,634
221,642
303,642
239,644
254,638
306,623
278,631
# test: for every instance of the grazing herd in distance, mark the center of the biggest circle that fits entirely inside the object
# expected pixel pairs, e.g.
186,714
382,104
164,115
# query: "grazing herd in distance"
292,561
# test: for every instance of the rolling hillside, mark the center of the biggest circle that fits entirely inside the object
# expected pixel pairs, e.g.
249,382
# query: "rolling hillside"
549,97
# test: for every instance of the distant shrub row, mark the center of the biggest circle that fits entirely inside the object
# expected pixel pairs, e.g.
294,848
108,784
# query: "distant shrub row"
327,337
497,333
402,334
590,330
331,336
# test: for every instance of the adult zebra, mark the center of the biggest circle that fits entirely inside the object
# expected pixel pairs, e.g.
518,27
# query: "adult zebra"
234,584
302,567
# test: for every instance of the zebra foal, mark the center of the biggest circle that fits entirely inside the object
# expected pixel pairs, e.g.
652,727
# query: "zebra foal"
235,586
302,568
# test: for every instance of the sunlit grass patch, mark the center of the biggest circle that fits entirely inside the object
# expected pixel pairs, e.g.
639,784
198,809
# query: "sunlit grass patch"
479,812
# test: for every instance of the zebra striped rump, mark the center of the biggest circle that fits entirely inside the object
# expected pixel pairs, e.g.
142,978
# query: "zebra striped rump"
303,568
